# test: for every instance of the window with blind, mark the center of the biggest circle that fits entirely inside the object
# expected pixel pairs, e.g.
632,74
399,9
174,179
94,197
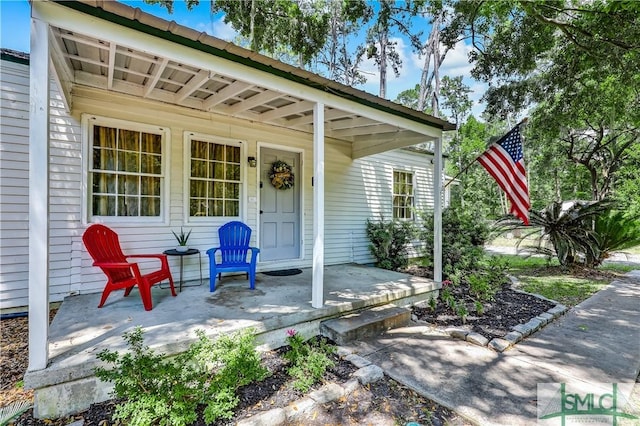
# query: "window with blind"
126,171
214,183
403,198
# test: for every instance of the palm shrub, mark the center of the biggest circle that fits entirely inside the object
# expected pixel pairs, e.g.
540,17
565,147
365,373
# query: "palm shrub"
389,241
564,230
616,232
463,236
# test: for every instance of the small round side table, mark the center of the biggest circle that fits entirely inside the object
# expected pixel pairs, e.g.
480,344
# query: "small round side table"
182,254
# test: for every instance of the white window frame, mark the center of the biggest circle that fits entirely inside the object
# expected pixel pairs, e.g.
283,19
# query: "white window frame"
88,122
394,194
188,137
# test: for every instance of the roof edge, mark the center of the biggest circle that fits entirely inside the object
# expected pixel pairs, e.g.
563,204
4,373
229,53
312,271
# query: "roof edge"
14,56
129,17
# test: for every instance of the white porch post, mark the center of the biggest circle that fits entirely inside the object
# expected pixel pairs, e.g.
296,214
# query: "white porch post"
437,211
39,196
317,292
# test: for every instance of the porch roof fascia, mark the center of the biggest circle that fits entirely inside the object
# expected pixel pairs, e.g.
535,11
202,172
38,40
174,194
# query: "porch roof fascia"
136,19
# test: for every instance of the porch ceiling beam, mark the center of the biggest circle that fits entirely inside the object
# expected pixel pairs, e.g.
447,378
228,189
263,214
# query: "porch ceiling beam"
295,108
62,70
132,89
377,144
223,94
82,40
365,130
350,123
252,102
152,80
193,85
308,119
110,65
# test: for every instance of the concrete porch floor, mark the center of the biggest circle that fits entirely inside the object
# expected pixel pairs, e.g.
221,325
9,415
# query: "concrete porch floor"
80,330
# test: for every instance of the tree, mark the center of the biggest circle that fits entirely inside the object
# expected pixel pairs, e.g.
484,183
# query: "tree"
575,64
301,26
391,15
455,96
337,56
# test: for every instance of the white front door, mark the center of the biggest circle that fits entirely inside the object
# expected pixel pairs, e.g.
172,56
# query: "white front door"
279,209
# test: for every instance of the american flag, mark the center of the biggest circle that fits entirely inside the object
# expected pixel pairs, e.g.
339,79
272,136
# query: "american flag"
504,161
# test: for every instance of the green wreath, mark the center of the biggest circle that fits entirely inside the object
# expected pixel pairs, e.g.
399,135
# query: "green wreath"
281,175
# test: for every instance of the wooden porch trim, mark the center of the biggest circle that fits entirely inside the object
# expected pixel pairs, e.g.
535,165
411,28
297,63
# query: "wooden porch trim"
39,196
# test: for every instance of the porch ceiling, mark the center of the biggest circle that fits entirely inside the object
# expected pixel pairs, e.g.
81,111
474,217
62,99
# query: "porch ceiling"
97,60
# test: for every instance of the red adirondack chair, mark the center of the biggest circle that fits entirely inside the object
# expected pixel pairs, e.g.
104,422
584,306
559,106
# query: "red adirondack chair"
103,245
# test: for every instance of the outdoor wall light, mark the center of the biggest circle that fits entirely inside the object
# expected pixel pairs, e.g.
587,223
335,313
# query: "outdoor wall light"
252,161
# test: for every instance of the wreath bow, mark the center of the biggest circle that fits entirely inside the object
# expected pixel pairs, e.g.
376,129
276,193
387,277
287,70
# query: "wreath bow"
281,175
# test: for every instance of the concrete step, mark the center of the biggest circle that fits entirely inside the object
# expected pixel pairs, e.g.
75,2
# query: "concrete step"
367,323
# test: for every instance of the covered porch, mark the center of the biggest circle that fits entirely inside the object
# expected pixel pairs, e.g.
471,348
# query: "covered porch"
115,61
80,330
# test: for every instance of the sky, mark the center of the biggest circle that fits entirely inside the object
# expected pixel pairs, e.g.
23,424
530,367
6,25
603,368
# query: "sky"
15,24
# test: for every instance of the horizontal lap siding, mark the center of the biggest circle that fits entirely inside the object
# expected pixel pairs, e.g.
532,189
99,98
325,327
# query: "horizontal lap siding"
14,184
361,189
65,198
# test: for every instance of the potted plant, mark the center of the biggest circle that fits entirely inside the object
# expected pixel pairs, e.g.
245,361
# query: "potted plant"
182,238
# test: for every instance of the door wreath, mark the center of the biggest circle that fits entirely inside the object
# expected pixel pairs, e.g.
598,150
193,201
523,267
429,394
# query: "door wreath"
281,175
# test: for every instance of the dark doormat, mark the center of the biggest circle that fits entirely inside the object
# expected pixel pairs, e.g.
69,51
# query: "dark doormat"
283,272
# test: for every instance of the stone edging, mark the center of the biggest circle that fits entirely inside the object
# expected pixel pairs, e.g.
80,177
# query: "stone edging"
366,373
518,332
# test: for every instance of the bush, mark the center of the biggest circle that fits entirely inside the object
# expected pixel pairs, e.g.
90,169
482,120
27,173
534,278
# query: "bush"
167,391
615,231
463,238
389,241
309,360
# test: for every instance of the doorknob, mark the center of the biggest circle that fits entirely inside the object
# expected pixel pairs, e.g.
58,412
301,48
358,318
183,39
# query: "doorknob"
261,212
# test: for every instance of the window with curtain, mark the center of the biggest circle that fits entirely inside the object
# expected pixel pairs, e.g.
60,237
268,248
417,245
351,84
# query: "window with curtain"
214,184
403,195
126,172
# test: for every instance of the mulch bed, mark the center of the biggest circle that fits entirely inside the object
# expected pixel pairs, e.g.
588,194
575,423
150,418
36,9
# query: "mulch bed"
508,308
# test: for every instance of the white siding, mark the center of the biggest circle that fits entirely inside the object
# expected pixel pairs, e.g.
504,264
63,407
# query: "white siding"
14,183
361,189
355,189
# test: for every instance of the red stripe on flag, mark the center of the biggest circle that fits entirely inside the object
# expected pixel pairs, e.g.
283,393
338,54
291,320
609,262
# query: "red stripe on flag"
511,177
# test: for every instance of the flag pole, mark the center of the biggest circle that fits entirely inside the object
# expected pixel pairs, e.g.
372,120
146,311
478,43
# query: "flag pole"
464,170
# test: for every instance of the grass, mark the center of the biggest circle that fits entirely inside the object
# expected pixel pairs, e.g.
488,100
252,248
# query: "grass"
544,276
617,267
565,289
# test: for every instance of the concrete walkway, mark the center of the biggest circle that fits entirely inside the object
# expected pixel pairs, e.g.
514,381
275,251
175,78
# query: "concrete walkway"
598,341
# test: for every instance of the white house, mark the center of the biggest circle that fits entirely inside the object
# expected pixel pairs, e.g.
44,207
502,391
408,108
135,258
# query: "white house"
147,126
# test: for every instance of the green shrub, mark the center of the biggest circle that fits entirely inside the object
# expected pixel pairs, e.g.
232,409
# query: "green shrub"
389,241
615,231
308,360
463,238
167,391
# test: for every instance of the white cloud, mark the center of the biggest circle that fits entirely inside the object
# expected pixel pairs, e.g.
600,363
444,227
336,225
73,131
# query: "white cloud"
218,28
457,61
223,30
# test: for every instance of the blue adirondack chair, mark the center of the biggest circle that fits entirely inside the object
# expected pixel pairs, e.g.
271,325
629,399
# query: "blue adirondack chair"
234,248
